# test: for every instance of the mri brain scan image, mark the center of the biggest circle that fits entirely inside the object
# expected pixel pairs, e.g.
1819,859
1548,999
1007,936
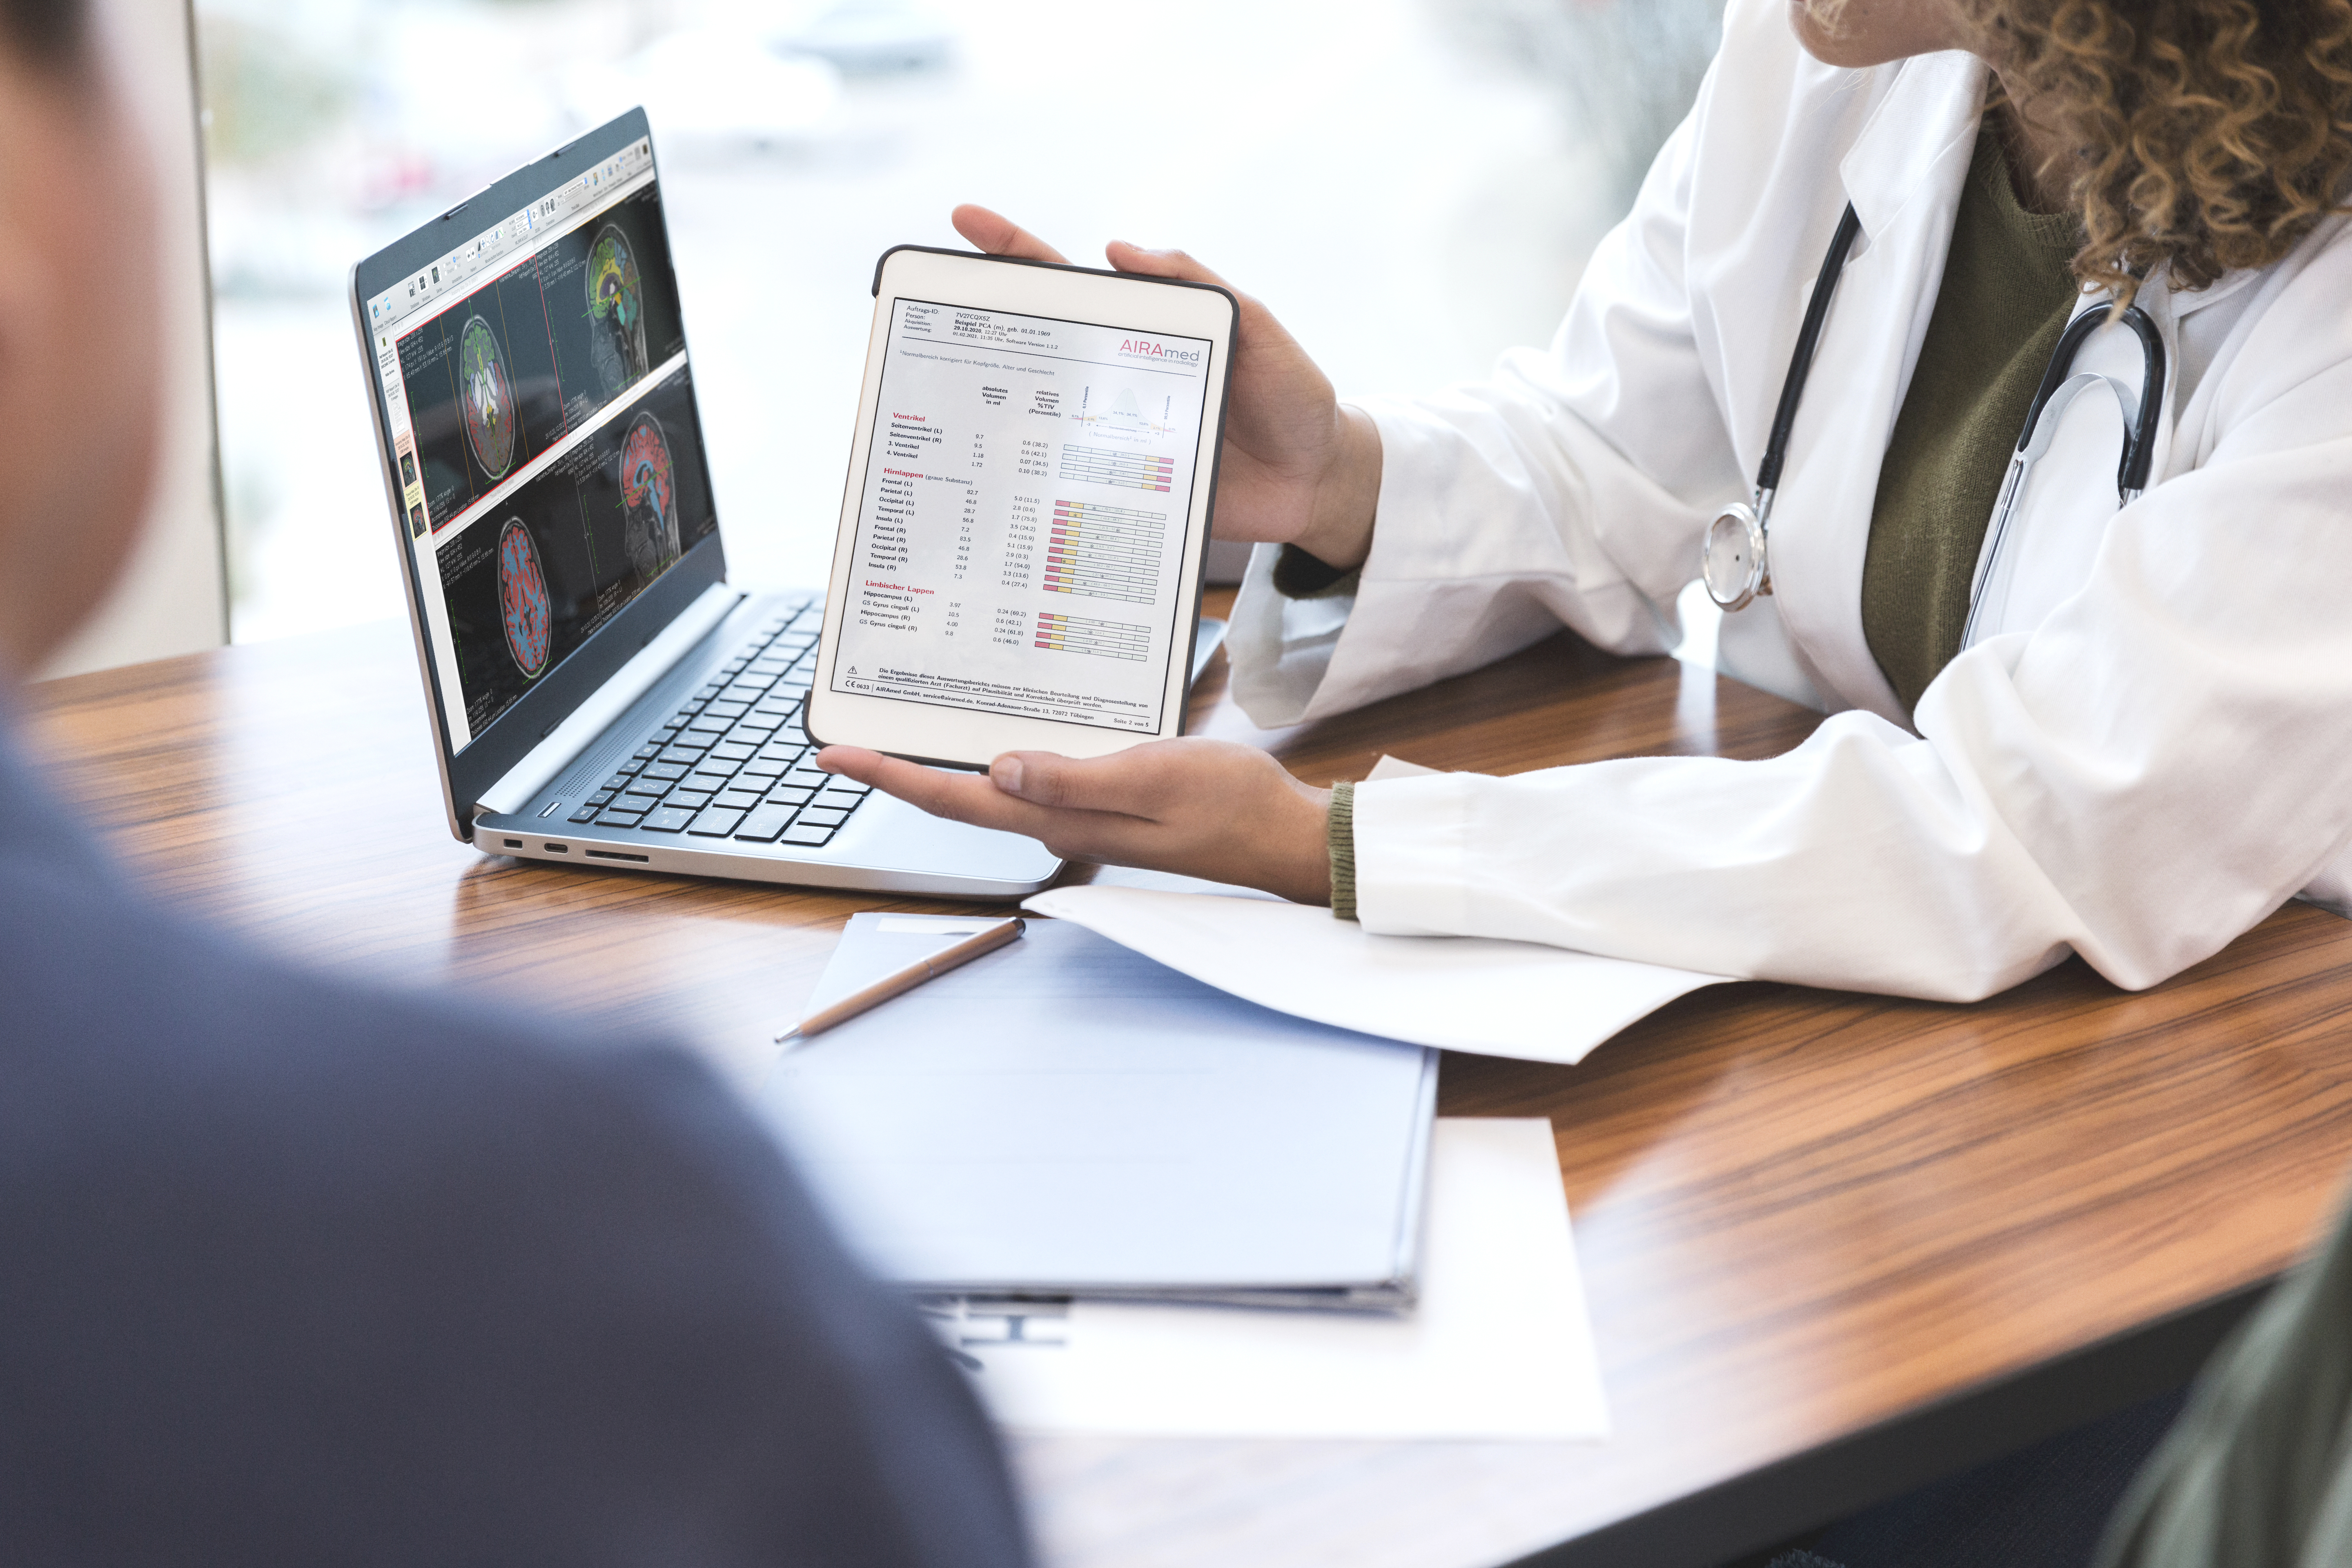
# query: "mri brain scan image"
617,310
523,605
487,396
648,498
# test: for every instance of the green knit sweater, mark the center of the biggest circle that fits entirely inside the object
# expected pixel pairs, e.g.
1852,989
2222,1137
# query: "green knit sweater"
2006,295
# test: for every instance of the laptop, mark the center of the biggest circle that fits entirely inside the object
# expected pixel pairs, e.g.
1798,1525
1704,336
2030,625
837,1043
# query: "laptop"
599,694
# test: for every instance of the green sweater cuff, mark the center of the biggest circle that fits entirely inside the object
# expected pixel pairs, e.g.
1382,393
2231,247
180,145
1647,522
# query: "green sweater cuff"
1298,576
1340,835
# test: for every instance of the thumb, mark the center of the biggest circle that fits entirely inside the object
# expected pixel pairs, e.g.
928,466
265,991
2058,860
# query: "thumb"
1039,777
999,236
1124,782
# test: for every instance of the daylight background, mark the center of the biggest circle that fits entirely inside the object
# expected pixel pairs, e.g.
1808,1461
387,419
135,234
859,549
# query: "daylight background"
1413,186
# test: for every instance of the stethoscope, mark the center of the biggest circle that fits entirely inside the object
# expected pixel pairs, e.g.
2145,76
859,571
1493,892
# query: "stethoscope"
1734,560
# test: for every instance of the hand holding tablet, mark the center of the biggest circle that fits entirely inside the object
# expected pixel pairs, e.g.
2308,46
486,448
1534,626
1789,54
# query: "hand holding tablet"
1018,564
1213,809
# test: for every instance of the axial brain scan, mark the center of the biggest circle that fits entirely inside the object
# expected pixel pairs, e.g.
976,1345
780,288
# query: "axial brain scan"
487,396
617,310
649,498
523,605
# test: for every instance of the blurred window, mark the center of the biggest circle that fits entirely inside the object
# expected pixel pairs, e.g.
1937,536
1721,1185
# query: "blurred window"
1412,186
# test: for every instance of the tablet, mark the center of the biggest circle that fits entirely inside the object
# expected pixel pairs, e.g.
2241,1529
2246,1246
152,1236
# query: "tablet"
1018,564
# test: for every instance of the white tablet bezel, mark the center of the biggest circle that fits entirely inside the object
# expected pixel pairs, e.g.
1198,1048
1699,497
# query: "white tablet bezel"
956,737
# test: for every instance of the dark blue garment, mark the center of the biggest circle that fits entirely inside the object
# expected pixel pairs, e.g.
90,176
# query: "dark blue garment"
296,1272
2042,1507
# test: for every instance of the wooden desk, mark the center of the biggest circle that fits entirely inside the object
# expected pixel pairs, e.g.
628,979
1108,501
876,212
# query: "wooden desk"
1834,1245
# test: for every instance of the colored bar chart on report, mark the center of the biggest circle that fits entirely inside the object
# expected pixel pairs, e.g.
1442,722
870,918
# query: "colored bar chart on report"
1130,471
1028,485
1104,551
1108,639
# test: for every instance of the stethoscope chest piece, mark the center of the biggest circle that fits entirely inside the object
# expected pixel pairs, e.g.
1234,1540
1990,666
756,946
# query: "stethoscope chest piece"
1733,563
1734,560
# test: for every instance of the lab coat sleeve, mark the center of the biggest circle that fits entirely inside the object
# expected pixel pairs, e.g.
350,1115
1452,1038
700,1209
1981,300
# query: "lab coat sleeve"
1569,490
2160,763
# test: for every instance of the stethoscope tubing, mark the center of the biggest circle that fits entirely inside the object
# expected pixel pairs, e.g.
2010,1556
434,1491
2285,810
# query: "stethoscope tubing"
1800,359
2139,448
2131,470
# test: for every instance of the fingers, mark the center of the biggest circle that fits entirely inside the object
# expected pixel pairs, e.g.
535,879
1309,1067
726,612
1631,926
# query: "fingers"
1261,335
1208,808
1160,264
964,797
999,236
958,797
940,793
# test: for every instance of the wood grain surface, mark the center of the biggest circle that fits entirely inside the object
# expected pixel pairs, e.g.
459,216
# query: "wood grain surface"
1801,1214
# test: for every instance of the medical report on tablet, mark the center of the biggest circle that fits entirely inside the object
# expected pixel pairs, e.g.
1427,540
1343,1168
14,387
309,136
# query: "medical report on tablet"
1021,533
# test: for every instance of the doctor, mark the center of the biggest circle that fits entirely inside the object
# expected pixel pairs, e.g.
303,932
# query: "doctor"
2141,747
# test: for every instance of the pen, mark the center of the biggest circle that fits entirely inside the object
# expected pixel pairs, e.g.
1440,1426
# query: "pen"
904,980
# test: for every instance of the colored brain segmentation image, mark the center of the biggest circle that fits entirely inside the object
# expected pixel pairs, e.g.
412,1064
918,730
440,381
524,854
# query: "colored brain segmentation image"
486,397
523,604
617,310
648,498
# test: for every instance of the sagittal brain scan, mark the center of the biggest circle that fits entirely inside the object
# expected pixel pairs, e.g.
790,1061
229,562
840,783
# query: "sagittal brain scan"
648,498
523,604
617,310
487,396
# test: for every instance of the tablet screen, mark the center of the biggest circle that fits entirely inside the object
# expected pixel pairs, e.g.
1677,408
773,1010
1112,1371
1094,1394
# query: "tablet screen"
1020,529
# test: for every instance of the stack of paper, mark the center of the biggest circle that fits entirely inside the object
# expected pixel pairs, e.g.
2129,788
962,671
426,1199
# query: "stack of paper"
1498,1345
1069,1150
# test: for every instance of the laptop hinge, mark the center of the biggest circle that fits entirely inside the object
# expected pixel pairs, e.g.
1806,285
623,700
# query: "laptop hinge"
608,702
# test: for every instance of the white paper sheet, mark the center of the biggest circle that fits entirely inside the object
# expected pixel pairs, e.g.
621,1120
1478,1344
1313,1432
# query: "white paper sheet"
1389,767
1464,994
1500,1347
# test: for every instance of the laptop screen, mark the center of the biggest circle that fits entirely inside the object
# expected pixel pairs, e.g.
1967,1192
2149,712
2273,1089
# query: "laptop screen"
539,413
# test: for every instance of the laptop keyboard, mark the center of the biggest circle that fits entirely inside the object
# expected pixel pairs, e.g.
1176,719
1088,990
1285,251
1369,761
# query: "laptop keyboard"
733,760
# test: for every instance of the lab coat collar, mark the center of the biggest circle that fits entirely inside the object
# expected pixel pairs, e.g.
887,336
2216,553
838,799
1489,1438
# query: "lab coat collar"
1934,104
1936,101
2166,304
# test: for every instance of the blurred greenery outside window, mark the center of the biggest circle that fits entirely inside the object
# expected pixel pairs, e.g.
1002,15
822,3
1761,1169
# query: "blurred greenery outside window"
1412,185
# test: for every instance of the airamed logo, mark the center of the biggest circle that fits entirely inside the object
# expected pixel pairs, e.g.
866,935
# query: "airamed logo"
1158,352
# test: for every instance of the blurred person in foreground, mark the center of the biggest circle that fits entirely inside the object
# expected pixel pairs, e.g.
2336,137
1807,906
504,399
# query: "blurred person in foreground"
294,1272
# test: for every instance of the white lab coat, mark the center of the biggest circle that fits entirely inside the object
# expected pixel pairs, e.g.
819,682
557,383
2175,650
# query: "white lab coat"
2152,753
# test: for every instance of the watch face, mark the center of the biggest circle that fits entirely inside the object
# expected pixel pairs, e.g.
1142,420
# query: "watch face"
1730,562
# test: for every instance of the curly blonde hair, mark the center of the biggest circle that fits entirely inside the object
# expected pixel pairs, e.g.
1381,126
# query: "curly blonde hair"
2209,134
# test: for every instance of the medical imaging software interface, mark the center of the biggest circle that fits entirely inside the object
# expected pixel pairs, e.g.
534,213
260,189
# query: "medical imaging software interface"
541,416
1021,533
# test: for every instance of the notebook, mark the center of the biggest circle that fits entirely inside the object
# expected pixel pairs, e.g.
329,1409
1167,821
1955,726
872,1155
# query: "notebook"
1064,1115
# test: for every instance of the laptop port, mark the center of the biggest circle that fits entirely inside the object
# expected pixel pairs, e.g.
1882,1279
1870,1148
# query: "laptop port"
514,843
556,848
616,854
